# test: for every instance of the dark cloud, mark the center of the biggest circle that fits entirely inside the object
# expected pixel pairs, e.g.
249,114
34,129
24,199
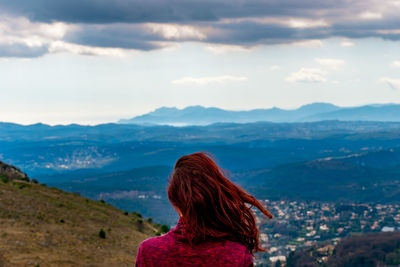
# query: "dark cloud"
364,29
183,11
250,33
114,35
120,23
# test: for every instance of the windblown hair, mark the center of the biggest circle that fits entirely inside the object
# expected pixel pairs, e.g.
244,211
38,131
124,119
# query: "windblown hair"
212,206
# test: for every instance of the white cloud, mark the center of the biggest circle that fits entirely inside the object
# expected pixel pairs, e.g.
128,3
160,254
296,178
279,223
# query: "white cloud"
210,79
167,46
392,31
60,46
15,31
393,83
306,23
307,75
291,22
19,30
176,31
347,44
309,43
223,49
275,67
316,75
330,63
371,15
395,64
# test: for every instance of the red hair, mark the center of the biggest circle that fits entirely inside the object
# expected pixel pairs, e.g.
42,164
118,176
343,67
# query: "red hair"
212,206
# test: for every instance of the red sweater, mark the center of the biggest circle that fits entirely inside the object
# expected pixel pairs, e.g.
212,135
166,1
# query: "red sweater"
171,250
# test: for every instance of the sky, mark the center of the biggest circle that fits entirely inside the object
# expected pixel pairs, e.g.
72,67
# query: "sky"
97,61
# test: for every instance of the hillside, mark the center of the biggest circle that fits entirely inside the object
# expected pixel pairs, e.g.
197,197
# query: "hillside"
324,180
375,249
140,189
41,226
9,173
360,177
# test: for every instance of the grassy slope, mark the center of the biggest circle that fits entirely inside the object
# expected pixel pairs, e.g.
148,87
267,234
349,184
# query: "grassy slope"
49,227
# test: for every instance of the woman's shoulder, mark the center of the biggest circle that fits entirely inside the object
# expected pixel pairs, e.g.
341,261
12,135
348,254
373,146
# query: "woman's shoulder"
156,241
166,249
230,252
168,239
240,251
234,247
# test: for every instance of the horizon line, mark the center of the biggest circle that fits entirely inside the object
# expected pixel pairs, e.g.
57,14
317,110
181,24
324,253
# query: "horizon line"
183,108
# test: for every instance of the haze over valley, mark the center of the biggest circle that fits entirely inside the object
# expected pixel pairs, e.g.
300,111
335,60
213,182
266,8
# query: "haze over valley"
129,164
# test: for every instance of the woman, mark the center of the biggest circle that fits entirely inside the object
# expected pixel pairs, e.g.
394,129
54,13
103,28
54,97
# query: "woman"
215,228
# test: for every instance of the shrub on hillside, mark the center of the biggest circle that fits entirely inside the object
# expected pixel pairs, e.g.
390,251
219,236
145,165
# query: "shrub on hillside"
381,249
137,214
102,234
164,228
3,178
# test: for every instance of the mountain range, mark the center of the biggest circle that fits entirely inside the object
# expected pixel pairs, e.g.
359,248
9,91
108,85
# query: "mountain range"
198,115
128,165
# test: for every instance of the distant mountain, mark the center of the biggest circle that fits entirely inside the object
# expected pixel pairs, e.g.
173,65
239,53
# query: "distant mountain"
364,113
198,115
42,226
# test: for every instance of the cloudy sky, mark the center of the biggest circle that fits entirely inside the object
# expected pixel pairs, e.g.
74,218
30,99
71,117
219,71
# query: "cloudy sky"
93,61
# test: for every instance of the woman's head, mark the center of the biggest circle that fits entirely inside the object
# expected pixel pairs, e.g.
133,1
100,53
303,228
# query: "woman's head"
211,205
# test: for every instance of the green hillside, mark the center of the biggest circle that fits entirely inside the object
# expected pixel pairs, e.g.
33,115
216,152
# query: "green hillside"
41,226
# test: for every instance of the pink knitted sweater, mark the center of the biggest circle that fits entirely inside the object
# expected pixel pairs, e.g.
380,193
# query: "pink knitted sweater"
172,250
